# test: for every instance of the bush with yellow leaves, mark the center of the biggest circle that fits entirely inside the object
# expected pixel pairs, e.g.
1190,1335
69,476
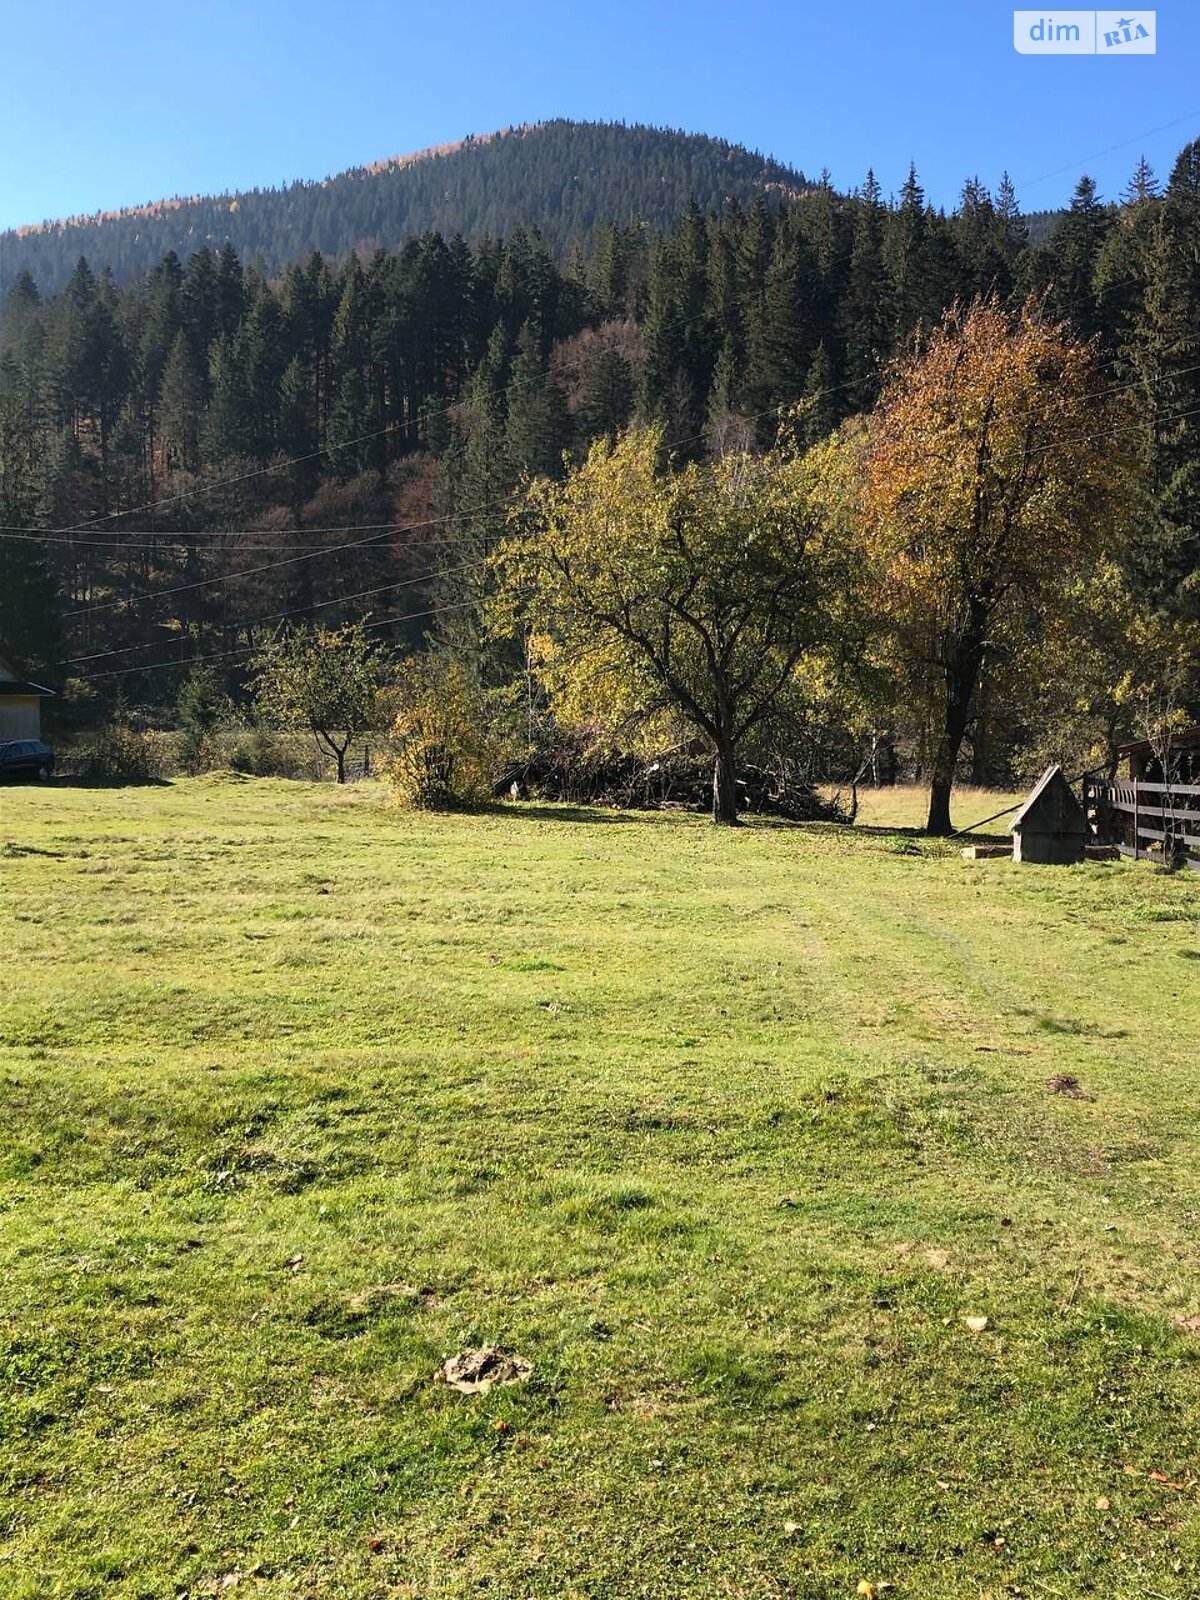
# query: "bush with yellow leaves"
443,748
119,754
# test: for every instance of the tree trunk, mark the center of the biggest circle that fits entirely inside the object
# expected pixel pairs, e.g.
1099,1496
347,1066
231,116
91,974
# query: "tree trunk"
981,756
725,794
341,765
1112,751
939,823
962,676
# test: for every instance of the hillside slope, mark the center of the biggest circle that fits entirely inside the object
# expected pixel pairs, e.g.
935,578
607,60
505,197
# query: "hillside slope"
563,177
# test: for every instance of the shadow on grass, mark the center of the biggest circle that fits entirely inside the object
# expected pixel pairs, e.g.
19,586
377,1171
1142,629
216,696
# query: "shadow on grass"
870,830
558,811
581,811
77,780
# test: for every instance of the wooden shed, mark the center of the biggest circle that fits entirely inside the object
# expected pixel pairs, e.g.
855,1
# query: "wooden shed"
1144,762
20,704
1051,828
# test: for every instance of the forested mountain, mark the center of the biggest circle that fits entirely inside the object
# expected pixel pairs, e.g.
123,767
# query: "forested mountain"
209,450
561,177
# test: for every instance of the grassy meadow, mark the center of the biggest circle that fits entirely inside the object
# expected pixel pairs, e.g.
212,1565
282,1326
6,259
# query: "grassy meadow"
729,1135
906,806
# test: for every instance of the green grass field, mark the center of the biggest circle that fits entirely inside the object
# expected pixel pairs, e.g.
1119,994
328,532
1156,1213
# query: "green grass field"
728,1134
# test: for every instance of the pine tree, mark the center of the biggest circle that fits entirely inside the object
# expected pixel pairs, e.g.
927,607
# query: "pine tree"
181,406
537,427
820,411
1166,350
915,255
225,425
866,309
1071,259
606,397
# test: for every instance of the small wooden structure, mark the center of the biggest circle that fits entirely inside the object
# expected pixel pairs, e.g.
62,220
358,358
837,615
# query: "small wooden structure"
20,705
1155,809
1144,762
1051,827
987,852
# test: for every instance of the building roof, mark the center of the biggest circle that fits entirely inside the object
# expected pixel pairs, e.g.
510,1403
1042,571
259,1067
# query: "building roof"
17,686
11,681
1050,780
1181,739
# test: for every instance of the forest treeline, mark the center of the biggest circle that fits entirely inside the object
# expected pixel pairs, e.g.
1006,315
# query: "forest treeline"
562,177
211,449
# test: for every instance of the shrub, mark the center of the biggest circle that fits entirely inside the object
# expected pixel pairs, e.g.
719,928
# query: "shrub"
198,752
261,754
443,750
119,754
200,710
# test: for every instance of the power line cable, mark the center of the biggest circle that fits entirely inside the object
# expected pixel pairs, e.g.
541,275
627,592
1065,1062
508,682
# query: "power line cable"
1051,445
241,650
295,611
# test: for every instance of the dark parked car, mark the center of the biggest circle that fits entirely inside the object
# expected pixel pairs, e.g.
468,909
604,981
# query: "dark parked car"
26,758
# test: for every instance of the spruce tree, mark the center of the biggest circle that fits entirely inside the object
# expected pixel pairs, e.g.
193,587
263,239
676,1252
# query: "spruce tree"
919,261
781,339
979,236
1122,270
866,309
181,406
606,396
230,292
225,425
537,427
1167,353
819,416
200,300
164,319
351,425
263,355
1071,258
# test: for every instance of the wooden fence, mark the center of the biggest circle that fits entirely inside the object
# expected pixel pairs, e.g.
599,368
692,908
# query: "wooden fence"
359,766
1145,819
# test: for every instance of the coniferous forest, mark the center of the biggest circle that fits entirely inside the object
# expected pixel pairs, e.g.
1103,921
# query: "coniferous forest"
197,448
563,177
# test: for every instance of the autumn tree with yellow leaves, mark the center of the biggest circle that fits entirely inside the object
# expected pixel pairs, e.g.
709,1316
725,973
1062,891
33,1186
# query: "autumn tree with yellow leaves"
990,473
648,591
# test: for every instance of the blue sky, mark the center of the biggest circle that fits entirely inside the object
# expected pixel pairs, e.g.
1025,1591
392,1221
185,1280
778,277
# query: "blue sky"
126,102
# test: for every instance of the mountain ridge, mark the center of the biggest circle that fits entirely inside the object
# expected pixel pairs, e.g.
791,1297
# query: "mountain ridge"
149,208
561,176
